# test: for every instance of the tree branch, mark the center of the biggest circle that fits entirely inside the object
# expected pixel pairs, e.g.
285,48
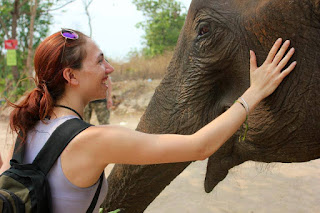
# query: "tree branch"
89,3
86,7
69,2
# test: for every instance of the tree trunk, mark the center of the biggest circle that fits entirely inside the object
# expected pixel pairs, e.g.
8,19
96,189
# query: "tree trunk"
33,10
15,16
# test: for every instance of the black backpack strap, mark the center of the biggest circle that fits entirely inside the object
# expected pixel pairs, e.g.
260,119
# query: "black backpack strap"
19,149
96,195
57,142
55,145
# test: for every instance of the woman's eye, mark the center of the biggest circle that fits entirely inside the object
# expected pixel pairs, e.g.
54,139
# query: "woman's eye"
203,30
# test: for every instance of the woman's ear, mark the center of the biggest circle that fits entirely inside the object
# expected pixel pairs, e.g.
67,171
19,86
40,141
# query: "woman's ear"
70,77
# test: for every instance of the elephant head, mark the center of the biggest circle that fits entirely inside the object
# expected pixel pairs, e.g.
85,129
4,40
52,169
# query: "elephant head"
209,71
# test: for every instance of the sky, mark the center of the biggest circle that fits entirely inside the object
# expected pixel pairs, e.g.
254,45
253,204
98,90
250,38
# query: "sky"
113,24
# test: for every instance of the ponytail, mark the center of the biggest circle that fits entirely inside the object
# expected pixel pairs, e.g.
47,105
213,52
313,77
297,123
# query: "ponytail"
37,105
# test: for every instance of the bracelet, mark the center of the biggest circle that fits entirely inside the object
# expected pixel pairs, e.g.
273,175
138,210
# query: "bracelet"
242,104
245,105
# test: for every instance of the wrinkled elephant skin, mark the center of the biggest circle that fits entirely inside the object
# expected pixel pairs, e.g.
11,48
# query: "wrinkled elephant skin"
209,71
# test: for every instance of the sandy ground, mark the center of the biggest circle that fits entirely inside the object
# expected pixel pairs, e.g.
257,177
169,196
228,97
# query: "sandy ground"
249,188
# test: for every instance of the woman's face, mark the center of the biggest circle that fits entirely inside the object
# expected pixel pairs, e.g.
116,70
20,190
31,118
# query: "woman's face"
94,73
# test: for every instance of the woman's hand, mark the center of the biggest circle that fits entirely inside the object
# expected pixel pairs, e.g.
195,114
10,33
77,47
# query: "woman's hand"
266,78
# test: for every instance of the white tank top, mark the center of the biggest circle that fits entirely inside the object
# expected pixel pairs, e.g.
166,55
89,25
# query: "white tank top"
66,197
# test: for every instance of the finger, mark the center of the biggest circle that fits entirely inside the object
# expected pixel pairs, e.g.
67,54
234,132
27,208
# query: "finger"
281,52
286,72
274,50
285,60
253,61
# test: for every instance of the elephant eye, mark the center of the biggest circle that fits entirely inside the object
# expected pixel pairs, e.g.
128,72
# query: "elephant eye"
203,29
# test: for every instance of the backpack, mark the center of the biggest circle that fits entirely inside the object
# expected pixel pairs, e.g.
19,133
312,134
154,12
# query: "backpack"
24,187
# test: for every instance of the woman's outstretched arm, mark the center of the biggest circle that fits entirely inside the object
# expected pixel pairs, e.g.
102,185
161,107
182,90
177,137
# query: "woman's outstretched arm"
113,144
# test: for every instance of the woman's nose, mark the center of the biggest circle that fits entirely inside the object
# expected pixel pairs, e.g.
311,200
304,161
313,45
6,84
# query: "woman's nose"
109,68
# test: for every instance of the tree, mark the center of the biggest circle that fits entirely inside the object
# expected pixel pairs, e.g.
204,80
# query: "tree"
164,20
27,21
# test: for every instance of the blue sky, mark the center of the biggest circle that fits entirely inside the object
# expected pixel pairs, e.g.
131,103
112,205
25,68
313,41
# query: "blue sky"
113,24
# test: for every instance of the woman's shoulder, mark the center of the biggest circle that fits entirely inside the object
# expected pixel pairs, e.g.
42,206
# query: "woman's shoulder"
100,132
96,140
52,123
88,152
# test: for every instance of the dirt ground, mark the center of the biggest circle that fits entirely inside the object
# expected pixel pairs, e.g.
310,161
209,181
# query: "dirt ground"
249,188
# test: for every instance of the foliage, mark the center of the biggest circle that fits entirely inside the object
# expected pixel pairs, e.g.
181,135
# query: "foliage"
164,20
141,67
43,20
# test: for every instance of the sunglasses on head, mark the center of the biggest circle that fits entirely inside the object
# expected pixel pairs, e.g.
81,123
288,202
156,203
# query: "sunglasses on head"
67,34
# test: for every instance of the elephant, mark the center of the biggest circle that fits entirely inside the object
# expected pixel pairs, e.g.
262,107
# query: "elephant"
209,71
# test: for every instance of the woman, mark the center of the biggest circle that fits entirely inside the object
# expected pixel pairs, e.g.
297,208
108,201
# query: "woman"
70,72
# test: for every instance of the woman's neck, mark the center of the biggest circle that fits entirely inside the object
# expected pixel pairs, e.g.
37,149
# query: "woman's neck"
69,108
61,108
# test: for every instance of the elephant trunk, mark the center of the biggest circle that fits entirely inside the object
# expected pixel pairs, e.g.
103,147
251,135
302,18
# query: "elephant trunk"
142,185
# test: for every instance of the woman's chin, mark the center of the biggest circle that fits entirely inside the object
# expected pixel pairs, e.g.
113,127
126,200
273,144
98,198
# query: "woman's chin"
102,96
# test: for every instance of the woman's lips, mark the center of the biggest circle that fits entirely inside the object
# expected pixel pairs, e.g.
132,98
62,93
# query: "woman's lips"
105,81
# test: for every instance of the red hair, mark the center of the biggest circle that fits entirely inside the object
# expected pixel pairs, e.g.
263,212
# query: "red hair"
52,56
